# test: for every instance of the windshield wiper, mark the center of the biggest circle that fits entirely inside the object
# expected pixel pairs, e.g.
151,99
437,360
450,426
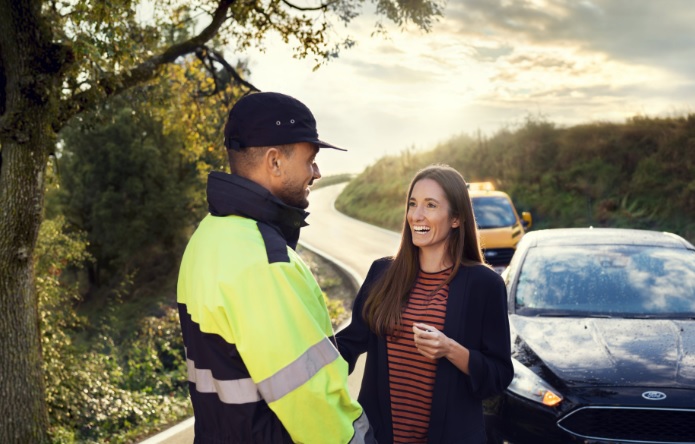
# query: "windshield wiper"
574,314
555,314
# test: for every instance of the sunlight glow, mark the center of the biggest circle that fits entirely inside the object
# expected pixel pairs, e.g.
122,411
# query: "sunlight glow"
484,66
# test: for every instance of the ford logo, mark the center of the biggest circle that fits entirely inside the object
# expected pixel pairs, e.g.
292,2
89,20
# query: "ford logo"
654,396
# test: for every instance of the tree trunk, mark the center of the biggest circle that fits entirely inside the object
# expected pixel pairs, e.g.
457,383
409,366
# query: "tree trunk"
22,398
31,73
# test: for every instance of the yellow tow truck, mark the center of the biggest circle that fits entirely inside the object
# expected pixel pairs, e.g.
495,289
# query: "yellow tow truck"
499,224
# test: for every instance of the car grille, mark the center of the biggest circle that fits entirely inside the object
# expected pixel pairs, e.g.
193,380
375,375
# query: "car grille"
631,424
498,256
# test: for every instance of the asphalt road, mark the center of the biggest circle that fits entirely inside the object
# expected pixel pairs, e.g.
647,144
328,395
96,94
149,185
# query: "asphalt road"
351,244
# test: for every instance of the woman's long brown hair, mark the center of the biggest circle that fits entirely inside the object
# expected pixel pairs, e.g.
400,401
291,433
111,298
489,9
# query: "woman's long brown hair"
388,296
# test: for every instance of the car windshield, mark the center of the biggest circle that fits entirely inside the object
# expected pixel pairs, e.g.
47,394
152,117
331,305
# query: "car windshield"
493,212
593,280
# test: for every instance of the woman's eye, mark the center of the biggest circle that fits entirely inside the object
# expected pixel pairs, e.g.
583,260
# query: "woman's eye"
411,204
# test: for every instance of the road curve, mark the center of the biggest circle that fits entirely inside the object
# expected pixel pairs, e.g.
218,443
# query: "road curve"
351,244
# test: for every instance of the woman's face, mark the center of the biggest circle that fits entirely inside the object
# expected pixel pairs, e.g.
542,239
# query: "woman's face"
428,216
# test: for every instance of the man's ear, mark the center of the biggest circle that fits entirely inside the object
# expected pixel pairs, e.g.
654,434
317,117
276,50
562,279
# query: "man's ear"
273,161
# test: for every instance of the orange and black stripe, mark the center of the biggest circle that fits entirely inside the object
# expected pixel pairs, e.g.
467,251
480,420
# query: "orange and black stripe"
411,375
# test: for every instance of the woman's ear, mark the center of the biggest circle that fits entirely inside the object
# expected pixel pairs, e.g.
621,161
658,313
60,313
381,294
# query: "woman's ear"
455,222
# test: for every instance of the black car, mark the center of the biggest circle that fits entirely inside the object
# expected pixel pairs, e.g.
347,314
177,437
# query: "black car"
603,339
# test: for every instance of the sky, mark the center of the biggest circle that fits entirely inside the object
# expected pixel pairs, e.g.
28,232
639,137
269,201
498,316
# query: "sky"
487,65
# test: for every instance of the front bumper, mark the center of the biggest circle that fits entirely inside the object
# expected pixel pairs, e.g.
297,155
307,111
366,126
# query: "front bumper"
519,421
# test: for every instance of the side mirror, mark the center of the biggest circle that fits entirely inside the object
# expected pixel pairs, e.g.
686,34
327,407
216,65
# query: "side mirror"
526,220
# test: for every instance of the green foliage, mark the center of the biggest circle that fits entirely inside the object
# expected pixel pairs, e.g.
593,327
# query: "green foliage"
124,194
336,310
109,40
101,390
638,174
56,252
155,361
133,173
420,12
97,402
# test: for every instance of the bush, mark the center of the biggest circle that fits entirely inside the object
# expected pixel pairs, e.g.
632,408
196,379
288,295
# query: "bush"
98,390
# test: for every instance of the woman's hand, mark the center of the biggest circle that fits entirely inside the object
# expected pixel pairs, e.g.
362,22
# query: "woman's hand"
431,342
434,344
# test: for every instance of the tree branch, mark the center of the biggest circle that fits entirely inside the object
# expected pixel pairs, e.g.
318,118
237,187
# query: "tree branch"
313,8
142,73
208,57
219,58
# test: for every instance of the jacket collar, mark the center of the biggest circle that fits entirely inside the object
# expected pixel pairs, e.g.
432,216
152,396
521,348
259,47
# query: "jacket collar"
231,194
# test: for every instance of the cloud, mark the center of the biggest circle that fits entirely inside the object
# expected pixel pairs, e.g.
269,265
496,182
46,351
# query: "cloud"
631,31
391,70
489,64
491,53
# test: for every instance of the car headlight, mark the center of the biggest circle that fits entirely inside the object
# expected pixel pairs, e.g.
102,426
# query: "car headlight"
528,385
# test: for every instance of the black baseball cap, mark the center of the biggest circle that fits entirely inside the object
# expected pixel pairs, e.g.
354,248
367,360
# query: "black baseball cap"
270,119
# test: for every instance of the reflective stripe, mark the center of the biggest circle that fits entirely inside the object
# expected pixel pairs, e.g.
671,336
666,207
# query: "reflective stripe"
361,426
299,371
242,391
233,391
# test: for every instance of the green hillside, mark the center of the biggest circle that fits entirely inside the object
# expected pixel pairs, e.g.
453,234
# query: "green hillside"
638,174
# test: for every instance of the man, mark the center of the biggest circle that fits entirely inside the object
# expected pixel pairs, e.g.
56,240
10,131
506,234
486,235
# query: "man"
262,365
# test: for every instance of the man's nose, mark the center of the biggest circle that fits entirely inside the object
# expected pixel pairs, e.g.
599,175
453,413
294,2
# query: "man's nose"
317,172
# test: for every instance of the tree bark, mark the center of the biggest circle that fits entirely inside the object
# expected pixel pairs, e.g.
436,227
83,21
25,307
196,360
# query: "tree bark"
31,74
22,404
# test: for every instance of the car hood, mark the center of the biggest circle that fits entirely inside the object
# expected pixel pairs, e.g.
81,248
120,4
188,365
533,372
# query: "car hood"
616,352
502,237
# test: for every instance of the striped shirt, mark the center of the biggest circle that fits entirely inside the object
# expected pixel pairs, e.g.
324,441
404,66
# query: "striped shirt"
411,375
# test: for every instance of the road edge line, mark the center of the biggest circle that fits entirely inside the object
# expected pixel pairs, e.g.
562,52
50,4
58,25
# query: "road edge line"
170,432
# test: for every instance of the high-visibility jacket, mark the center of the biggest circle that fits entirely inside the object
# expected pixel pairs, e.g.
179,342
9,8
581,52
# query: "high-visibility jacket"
262,364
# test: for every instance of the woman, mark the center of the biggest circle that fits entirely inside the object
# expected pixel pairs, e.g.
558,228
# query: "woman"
433,321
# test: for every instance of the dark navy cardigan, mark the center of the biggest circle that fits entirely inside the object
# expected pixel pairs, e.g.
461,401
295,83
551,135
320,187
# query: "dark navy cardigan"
476,317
